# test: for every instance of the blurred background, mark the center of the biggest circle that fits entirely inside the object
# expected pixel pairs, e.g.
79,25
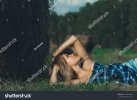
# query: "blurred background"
105,27
116,30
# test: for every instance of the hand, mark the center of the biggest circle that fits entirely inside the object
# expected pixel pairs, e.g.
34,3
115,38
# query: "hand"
54,54
56,67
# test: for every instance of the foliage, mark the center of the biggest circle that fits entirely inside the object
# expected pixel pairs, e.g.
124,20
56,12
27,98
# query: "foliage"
25,20
116,30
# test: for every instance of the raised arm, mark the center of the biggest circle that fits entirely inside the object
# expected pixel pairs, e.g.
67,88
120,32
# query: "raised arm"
74,41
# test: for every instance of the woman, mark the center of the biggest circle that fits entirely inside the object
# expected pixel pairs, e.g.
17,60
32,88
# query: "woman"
67,63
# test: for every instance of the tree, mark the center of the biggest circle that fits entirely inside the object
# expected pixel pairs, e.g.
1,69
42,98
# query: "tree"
27,22
132,27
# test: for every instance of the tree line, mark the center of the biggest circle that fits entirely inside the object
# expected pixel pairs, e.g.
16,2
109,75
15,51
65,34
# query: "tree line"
116,30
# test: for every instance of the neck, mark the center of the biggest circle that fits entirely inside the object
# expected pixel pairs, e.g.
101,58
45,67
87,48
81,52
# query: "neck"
76,69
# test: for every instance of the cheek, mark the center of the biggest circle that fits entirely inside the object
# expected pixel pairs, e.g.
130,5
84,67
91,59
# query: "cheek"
68,61
71,61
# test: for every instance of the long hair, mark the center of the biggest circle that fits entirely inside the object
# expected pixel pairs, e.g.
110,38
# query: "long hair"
65,71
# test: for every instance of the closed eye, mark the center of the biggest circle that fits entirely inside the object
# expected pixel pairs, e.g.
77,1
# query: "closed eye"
67,55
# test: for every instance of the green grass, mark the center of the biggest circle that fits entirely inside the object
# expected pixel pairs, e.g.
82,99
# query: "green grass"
43,85
105,56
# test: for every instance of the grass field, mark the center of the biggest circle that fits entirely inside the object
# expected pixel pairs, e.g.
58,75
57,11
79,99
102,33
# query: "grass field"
105,56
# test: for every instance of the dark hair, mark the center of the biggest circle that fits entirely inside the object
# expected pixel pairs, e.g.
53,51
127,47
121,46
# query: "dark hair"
68,50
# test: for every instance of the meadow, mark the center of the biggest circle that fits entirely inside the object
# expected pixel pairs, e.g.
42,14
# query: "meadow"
105,56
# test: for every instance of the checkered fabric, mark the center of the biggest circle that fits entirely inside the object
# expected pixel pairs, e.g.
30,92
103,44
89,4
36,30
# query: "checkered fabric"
117,72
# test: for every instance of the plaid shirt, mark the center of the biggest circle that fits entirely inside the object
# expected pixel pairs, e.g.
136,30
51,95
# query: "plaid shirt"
117,73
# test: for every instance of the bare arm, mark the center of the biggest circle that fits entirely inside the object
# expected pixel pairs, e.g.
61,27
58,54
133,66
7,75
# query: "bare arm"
53,78
79,48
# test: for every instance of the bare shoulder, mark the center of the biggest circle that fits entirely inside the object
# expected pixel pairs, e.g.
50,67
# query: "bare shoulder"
88,64
87,70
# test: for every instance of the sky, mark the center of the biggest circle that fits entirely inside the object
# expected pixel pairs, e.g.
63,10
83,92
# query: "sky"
64,6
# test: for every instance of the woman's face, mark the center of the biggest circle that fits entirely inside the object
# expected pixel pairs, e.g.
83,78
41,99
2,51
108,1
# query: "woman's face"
71,59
